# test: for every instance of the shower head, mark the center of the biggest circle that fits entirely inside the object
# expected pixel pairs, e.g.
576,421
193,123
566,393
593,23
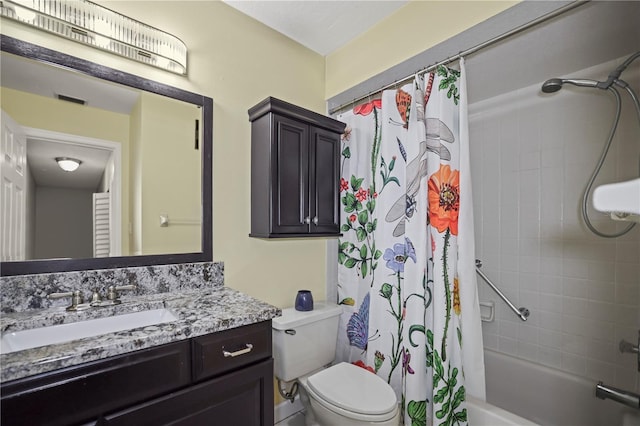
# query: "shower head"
555,84
552,85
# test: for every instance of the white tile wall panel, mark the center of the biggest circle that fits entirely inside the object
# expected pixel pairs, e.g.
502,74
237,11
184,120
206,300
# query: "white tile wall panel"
531,157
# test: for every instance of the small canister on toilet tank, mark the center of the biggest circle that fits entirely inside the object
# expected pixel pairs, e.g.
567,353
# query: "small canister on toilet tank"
304,301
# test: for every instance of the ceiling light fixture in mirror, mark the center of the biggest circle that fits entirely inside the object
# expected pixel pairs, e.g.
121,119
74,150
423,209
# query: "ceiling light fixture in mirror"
102,28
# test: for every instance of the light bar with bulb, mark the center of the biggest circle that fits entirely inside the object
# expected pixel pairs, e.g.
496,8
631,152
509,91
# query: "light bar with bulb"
97,26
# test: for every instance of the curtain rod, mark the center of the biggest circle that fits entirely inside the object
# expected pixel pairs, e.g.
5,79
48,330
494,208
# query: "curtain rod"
466,52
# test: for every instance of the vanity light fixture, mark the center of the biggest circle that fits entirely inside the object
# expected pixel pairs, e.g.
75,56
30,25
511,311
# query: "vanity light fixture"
91,24
68,164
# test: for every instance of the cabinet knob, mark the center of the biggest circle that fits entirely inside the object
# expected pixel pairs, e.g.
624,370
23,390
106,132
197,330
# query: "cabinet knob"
307,220
315,220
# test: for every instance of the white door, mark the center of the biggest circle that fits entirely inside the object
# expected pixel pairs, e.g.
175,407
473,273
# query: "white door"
13,163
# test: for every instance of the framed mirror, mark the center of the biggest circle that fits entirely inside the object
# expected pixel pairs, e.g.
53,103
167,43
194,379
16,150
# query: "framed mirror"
142,193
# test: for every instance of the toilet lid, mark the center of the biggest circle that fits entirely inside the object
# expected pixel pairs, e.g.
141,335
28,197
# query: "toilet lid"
354,389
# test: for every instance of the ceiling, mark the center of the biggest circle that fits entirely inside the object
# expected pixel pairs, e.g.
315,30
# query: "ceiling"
321,25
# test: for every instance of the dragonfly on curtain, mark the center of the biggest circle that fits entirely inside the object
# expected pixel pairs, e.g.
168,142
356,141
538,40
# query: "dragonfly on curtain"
404,207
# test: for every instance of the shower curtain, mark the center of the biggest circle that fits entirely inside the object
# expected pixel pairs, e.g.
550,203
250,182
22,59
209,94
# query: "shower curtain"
406,273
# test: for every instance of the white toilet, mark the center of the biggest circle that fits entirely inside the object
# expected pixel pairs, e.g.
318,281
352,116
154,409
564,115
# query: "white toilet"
304,343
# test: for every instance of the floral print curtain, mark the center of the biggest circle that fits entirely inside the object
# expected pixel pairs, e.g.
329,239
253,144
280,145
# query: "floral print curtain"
407,286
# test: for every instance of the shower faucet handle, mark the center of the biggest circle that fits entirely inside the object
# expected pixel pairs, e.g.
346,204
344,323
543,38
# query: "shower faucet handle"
628,347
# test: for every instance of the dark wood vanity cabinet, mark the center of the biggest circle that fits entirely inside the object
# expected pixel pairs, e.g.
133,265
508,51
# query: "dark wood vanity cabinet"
295,171
224,378
233,399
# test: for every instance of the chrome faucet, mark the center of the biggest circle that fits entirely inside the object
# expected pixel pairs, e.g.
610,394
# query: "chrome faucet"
97,300
77,299
623,397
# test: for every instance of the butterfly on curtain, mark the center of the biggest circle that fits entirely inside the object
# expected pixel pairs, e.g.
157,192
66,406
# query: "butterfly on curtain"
403,103
358,326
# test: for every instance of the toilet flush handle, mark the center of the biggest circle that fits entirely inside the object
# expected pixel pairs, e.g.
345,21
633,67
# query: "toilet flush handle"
290,332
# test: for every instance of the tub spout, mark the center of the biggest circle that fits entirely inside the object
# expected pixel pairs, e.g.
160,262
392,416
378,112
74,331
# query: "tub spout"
623,397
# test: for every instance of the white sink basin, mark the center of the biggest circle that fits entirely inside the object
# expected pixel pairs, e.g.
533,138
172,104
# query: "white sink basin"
43,336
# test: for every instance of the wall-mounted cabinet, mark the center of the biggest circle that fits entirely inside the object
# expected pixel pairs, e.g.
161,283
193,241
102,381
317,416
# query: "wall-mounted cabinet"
295,160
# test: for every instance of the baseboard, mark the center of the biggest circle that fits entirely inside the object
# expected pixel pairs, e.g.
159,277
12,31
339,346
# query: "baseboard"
286,409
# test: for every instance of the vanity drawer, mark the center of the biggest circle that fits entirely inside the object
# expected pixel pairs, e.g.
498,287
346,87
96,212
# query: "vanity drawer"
81,393
227,350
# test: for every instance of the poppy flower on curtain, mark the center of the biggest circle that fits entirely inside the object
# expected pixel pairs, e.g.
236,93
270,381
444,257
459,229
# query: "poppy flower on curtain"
444,199
366,108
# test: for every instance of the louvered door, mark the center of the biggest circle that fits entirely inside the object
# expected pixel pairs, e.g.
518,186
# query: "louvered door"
101,224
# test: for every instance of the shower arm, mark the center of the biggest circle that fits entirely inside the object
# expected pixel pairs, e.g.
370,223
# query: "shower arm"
613,77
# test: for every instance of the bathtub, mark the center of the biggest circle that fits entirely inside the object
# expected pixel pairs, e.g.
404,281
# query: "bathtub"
480,413
547,396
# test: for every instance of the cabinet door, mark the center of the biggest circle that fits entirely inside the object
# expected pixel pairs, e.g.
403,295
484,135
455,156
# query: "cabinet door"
242,398
290,184
323,175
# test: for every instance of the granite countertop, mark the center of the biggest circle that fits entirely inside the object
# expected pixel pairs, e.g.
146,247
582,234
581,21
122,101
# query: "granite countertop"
199,312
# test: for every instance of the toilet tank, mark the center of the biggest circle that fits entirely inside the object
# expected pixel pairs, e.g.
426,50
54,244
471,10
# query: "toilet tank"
304,341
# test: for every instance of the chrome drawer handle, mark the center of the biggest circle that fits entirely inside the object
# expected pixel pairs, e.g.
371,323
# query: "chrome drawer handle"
246,350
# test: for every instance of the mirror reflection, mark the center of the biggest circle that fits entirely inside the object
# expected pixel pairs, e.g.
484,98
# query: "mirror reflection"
137,189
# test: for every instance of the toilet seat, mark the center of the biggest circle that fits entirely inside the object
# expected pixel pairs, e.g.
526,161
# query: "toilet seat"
353,392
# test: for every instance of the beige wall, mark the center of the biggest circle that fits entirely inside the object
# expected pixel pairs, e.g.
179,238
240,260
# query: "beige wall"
237,62
59,116
411,30
171,178
135,187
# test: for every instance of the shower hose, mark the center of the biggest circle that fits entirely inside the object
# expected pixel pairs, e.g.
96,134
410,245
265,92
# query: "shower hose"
624,85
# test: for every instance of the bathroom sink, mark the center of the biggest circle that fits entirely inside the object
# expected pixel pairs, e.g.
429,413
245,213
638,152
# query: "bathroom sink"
50,335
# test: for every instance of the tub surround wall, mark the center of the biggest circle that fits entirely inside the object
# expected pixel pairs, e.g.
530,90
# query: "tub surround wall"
532,155
28,292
